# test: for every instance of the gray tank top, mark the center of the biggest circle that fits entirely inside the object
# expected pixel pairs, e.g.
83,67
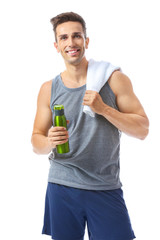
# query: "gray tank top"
93,160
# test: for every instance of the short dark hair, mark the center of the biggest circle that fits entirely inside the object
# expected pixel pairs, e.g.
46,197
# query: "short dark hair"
66,17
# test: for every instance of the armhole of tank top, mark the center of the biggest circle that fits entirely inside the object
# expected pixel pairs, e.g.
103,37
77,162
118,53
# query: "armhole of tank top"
53,92
111,93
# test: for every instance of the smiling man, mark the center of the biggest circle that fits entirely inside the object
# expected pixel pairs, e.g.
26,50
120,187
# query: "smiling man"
84,184
74,34
71,43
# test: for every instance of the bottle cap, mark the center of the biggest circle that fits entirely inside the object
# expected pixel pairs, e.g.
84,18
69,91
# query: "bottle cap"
59,110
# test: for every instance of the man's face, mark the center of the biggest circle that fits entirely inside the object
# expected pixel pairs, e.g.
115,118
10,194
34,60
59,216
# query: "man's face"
71,42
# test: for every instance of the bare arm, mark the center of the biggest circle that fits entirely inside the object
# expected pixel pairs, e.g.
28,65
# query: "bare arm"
44,136
131,118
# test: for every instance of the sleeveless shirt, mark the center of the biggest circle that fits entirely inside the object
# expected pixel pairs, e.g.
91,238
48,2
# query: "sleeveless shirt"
93,160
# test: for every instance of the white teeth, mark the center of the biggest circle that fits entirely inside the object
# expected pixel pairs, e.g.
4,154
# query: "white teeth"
72,51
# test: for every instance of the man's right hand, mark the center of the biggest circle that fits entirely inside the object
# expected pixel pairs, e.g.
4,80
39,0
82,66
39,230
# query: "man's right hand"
57,135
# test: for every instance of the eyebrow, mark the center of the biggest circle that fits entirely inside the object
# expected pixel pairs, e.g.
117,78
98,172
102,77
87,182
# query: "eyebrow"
74,33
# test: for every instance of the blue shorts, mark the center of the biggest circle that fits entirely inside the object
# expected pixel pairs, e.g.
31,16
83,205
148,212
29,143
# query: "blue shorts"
67,210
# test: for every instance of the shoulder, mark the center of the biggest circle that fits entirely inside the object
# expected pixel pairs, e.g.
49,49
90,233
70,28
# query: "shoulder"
45,92
119,82
46,86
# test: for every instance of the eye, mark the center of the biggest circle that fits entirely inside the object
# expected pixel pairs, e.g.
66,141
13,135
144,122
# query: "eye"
77,36
63,38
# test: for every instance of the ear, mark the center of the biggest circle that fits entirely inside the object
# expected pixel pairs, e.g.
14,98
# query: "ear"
56,46
87,43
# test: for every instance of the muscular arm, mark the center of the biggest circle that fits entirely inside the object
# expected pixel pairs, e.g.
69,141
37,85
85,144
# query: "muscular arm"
131,118
43,121
44,135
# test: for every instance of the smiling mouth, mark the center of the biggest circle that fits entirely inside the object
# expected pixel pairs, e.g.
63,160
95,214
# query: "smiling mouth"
73,52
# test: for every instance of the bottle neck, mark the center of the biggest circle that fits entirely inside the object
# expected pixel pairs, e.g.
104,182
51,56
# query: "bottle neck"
59,112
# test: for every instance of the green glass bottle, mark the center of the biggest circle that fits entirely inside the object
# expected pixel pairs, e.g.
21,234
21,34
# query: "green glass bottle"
60,121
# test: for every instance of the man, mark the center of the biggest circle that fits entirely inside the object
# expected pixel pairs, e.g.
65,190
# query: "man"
84,184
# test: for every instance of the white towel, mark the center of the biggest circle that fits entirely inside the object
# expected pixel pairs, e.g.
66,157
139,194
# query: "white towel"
98,74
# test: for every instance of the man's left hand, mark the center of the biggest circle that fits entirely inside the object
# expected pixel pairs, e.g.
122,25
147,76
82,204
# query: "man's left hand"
94,101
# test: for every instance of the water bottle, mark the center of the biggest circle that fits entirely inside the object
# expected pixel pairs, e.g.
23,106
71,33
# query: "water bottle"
60,121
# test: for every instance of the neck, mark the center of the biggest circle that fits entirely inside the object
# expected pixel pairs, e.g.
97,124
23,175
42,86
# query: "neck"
76,73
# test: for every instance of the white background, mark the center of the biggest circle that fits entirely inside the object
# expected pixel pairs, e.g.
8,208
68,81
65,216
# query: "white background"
125,33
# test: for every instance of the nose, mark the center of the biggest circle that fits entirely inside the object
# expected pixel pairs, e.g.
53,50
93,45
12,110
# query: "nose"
70,41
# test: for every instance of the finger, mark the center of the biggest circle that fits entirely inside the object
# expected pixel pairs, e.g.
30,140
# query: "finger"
55,143
61,142
57,140
90,92
55,134
86,98
86,103
55,129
